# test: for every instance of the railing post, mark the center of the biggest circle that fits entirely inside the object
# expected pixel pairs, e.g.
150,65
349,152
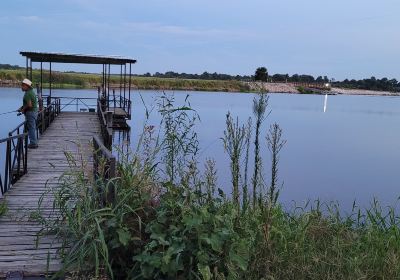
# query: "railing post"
47,117
25,148
19,152
42,123
95,164
109,172
7,167
111,169
109,118
115,105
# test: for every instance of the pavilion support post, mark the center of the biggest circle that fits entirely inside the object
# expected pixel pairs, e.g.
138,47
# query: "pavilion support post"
120,88
108,89
50,82
30,69
129,91
41,78
124,87
120,81
103,84
40,94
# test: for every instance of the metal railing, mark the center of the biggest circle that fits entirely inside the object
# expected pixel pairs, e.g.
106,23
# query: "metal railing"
120,102
104,168
323,86
104,163
111,101
80,104
16,159
47,115
105,125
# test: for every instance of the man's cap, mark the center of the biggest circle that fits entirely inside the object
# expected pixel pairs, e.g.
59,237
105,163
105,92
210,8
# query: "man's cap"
27,82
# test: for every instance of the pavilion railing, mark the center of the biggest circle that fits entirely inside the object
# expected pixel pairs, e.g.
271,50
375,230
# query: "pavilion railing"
77,104
121,102
109,101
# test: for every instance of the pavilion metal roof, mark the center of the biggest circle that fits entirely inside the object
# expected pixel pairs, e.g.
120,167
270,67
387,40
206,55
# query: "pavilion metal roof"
76,58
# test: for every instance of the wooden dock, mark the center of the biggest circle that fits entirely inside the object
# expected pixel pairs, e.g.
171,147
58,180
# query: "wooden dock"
18,230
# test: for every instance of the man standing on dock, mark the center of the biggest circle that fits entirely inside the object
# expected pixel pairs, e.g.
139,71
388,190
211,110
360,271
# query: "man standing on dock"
30,110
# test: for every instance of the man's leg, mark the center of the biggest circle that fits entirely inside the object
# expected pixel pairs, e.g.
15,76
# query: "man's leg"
31,126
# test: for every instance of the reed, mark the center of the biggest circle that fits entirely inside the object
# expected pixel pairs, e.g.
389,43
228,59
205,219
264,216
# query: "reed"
260,105
275,144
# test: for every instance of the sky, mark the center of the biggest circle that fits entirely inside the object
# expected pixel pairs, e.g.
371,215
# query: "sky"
341,39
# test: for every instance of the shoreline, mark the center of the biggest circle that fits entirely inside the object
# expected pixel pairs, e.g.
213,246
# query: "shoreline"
254,87
291,88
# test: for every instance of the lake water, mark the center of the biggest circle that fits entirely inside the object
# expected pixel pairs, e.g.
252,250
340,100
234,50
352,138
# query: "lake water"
350,152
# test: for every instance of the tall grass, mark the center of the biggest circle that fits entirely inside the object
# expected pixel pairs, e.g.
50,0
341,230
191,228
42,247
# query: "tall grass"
86,80
168,220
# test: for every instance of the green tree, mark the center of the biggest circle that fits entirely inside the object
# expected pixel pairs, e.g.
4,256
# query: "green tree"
261,74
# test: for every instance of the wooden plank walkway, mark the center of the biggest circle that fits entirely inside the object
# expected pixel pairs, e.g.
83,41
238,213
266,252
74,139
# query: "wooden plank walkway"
18,251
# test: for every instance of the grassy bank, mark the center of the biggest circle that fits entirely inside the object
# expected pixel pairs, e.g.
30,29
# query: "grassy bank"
162,218
80,80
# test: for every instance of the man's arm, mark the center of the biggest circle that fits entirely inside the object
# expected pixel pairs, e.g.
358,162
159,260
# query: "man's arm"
25,108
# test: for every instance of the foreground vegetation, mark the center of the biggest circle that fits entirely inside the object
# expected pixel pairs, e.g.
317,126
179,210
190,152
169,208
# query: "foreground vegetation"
163,218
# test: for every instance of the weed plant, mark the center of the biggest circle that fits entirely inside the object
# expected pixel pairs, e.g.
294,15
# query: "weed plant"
3,208
167,220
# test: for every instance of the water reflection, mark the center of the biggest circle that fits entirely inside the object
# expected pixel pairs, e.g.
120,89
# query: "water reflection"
122,144
350,152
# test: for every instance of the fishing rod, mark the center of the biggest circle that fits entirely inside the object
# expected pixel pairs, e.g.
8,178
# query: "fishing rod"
8,112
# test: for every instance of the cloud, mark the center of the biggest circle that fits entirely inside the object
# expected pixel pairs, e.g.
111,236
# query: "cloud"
183,31
29,18
158,29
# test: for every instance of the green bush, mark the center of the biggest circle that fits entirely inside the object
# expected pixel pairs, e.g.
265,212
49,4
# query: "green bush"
304,90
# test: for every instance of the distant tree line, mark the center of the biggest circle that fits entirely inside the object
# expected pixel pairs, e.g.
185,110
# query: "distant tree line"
203,76
261,74
384,84
298,78
372,83
9,67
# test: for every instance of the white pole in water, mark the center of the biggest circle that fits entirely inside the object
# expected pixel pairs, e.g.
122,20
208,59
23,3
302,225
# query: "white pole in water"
326,100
